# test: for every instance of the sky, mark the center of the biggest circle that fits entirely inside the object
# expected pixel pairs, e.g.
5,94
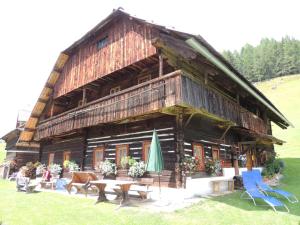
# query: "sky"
34,32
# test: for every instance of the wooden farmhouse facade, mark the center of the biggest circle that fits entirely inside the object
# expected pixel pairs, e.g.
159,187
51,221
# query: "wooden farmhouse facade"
124,78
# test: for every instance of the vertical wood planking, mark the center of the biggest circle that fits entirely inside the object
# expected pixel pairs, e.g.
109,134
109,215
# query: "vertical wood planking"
128,42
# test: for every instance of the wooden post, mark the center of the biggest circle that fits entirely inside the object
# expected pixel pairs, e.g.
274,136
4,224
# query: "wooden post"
179,150
238,99
85,136
161,63
83,96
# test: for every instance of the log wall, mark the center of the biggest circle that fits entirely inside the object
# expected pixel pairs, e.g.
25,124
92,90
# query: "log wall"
128,42
134,136
75,145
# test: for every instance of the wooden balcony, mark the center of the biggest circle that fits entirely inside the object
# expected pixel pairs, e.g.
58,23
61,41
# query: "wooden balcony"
168,91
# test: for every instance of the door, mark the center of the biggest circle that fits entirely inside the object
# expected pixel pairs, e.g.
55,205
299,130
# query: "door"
198,151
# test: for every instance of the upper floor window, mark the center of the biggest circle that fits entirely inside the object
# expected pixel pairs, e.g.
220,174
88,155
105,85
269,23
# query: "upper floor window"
102,42
144,78
115,90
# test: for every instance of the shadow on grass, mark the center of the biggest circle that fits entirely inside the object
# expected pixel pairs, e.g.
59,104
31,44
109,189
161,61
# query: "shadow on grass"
290,183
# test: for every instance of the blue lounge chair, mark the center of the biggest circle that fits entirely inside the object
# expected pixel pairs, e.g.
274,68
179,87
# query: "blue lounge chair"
254,193
266,188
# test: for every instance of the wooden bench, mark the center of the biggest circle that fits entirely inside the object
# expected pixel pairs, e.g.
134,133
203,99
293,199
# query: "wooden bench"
141,187
80,180
216,185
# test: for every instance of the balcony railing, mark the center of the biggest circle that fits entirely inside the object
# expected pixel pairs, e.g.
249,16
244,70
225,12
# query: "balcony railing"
142,99
172,89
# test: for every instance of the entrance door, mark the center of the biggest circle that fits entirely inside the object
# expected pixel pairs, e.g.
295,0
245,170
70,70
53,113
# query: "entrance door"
198,151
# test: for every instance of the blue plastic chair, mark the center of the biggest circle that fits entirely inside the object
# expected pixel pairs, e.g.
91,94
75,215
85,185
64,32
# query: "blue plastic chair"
266,188
254,193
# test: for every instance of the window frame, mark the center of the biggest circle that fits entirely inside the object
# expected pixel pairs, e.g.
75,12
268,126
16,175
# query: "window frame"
98,149
202,165
114,90
118,147
49,154
145,144
144,78
102,42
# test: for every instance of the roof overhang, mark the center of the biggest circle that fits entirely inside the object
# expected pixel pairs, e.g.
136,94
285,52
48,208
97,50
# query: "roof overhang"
197,46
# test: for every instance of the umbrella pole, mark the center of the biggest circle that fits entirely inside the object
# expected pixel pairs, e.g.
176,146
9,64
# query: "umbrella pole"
159,185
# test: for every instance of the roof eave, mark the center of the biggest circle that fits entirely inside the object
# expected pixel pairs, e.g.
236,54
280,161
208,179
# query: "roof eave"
192,42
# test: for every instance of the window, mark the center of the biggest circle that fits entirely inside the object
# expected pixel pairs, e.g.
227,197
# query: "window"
115,90
66,156
121,151
198,151
144,78
50,158
215,153
102,43
98,156
146,150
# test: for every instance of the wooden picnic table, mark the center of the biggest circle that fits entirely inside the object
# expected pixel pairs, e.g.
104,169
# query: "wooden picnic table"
124,188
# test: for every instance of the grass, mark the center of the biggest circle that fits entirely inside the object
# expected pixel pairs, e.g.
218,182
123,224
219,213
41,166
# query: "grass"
2,152
49,208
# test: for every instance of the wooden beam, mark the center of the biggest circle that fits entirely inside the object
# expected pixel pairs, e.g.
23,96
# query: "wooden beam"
83,96
29,129
225,132
161,64
43,100
179,150
48,85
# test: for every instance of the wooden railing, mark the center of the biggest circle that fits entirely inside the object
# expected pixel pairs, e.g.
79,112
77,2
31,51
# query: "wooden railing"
142,99
201,96
149,97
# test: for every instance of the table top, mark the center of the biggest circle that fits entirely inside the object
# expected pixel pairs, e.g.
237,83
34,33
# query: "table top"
112,182
224,179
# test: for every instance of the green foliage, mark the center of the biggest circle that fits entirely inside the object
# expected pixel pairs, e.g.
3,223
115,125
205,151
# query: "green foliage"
213,167
2,152
190,164
127,161
71,165
269,59
273,166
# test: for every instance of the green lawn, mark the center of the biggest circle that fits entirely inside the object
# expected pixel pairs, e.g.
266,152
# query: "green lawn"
2,152
48,208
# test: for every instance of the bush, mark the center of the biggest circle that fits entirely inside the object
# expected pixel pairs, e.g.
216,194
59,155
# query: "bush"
273,166
213,167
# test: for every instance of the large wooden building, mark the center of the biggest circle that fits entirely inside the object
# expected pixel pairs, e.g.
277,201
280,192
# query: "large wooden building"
125,77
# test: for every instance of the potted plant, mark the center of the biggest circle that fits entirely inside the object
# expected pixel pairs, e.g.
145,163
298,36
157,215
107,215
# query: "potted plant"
108,169
137,169
70,166
190,165
213,167
55,169
126,163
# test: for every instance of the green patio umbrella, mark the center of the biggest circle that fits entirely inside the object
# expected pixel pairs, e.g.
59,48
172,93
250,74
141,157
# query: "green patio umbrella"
155,161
